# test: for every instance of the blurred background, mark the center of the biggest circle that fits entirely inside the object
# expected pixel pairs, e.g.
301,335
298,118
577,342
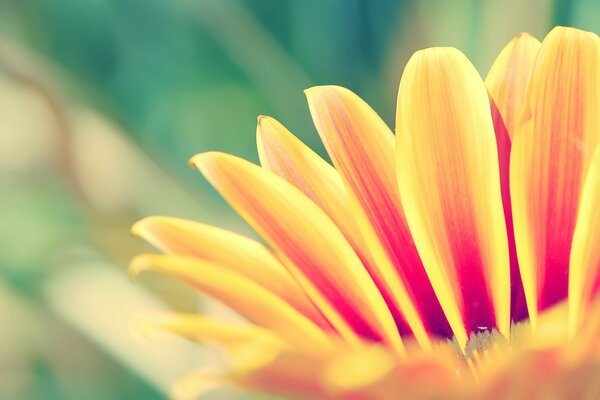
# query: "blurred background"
102,103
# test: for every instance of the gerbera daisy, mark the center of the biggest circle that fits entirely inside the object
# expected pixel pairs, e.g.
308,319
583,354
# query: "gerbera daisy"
457,259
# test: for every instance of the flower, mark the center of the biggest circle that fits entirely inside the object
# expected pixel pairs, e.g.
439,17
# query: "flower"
457,259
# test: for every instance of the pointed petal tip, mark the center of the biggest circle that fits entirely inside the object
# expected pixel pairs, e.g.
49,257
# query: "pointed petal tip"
144,226
271,132
141,226
523,36
263,123
524,39
136,228
322,90
268,129
139,264
158,263
202,161
215,164
195,160
264,120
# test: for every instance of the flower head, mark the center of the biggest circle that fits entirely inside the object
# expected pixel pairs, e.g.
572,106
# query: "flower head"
457,259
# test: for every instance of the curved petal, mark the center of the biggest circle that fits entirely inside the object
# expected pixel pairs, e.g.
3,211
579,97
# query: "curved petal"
307,242
229,335
240,254
241,294
282,153
585,253
507,79
506,82
449,184
550,154
285,155
366,373
374,373
361,147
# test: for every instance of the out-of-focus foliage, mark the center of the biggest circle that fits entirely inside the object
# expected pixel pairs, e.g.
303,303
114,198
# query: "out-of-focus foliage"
102,103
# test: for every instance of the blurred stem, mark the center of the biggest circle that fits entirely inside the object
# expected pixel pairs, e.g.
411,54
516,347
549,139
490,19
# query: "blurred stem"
562,11
18,66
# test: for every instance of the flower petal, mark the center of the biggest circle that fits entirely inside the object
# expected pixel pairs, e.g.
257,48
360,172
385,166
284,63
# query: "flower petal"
230,335
550,154
285,155
449,183
518,304
282,153
506,82
373,373
585,252
290,374
368,372
241,294
507,79
361,147
308,243
236,252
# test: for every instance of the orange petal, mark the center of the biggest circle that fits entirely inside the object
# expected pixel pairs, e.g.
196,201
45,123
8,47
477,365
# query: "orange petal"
585,252
550,154
506,82
230,250
361,147
449,184
241,294
507,79
308,243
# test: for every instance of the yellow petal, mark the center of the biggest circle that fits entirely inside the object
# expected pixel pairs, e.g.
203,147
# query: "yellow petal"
290,374
203,329
506,83
194,385
550,155
358,369
285,155
230,250
361,147
449,183
507,79
586,334
373,373
282,153
308,243
585,252
241,294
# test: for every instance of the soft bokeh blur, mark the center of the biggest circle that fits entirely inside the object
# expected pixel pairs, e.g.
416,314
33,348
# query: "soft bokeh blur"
102,103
